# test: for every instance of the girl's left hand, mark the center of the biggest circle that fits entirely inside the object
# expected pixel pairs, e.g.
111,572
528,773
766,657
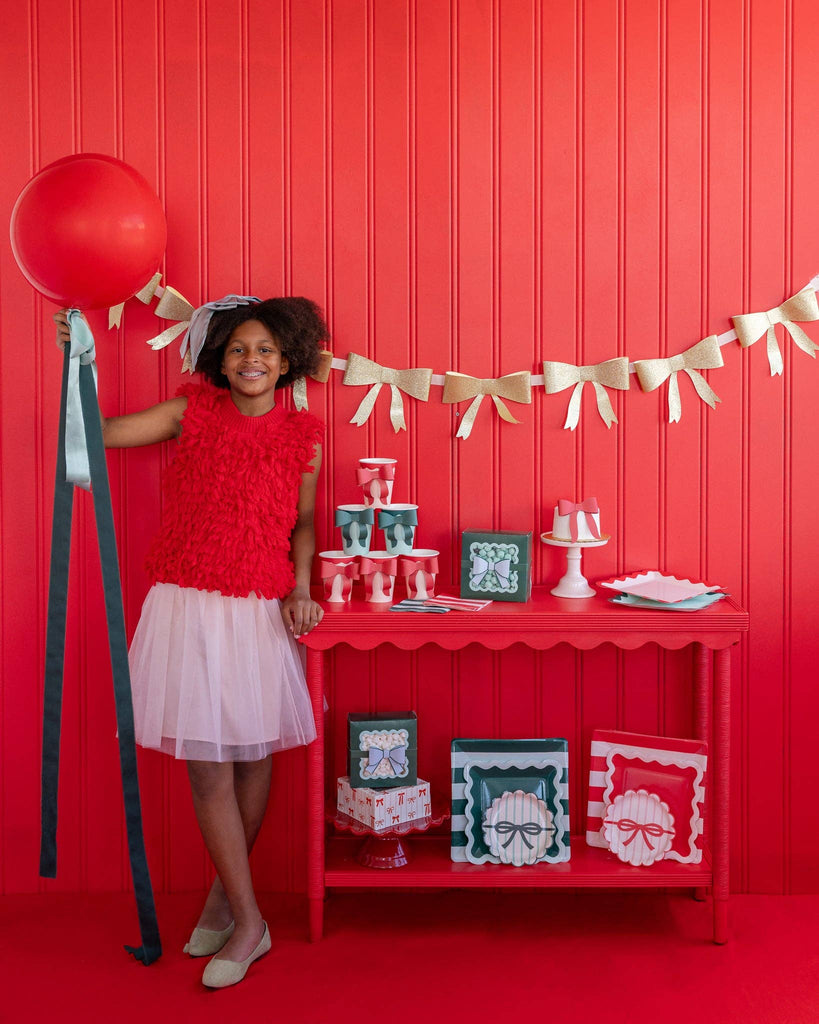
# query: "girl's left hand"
301,613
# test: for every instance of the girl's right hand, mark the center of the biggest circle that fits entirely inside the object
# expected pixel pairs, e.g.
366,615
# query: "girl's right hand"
63,333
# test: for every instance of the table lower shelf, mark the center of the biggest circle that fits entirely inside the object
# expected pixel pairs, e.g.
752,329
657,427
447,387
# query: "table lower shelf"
430,866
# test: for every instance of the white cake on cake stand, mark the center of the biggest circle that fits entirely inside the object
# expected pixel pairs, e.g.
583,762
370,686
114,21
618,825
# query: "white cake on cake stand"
574,583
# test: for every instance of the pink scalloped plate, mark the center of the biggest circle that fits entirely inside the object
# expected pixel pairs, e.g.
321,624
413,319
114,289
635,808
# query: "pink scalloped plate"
657,586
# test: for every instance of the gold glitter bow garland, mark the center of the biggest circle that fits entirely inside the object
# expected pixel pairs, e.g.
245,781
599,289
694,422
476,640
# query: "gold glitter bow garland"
751,326
613,373
459,387
705,355
322,375
144,295
414,382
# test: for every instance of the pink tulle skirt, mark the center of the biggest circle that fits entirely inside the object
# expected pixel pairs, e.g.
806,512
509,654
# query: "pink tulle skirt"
217,678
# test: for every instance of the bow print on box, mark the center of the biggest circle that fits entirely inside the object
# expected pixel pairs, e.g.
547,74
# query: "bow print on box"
751,326
414,382
500,569
396,758
588,507
705,355
613,373
459,387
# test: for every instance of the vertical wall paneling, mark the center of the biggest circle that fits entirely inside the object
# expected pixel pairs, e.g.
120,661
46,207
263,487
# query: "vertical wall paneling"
471,185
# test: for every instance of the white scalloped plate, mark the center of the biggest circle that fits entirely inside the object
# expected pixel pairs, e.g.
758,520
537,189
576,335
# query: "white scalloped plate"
656,586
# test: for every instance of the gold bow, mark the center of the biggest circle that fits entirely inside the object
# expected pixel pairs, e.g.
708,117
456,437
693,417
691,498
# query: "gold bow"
173,306
459,387
322,375
144,295
751,326
414,382
705,355
613,373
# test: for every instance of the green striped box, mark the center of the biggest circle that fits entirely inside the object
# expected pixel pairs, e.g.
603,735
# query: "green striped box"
485,768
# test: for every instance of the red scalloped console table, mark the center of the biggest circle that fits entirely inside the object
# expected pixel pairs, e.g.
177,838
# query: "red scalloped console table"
542,622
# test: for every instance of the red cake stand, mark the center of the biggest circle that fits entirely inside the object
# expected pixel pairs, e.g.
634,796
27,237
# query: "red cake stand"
384,849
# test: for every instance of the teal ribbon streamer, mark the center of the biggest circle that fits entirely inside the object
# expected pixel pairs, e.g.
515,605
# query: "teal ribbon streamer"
82,353
151,947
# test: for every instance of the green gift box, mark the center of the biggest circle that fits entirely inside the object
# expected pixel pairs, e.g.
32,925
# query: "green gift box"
382,749
496,565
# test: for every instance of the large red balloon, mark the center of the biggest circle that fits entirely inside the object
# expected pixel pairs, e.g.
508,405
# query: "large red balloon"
88,231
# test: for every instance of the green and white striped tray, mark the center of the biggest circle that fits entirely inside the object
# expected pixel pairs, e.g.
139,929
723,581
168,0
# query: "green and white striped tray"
485,768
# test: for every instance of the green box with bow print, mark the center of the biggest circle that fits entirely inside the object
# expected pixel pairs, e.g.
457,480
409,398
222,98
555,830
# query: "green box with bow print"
382,749
496,566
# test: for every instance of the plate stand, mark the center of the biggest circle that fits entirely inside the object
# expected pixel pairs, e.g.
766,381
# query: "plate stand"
574,583
378,852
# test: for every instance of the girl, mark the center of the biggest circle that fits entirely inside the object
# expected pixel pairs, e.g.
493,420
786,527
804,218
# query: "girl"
215,671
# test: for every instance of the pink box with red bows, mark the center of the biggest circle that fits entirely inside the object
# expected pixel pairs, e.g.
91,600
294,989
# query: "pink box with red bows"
381,809
382,749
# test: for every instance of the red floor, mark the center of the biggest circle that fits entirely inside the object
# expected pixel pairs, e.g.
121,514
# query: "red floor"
397,958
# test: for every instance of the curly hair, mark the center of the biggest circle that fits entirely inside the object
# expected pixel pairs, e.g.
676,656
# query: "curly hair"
298,324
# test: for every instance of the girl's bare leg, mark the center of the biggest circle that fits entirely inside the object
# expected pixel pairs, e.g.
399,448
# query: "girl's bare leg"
223,830
251,783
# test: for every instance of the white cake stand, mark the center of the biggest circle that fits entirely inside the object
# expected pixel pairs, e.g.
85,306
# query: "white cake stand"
574,583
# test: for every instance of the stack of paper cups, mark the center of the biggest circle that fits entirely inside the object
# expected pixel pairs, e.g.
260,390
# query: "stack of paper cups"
376,477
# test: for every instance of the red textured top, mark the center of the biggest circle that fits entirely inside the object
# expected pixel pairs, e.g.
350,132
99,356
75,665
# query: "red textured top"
231,496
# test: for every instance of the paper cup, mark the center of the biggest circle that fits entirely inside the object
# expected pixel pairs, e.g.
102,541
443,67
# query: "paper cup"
376,477
398,523
337,574
419,569
378,570
357,524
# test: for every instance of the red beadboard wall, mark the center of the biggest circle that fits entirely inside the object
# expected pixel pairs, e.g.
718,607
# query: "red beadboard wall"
468,185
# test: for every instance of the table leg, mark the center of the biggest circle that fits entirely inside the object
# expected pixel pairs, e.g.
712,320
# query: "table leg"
315,797
721,761
702,727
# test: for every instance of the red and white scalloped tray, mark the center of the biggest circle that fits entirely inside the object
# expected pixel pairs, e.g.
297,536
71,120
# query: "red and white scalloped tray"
657,586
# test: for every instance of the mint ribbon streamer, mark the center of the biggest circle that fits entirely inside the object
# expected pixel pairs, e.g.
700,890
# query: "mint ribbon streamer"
82,352
86,392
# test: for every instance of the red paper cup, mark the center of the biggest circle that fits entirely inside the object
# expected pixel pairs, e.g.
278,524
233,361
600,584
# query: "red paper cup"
375,477
378,571
337,574
420,570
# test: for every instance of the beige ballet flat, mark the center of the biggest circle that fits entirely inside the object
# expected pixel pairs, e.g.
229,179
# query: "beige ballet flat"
206,941
223,973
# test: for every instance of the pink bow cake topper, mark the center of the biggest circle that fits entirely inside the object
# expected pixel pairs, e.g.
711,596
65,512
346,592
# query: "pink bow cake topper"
588,507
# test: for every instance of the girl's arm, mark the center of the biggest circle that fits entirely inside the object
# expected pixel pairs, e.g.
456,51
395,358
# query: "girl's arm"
162,422
301,613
